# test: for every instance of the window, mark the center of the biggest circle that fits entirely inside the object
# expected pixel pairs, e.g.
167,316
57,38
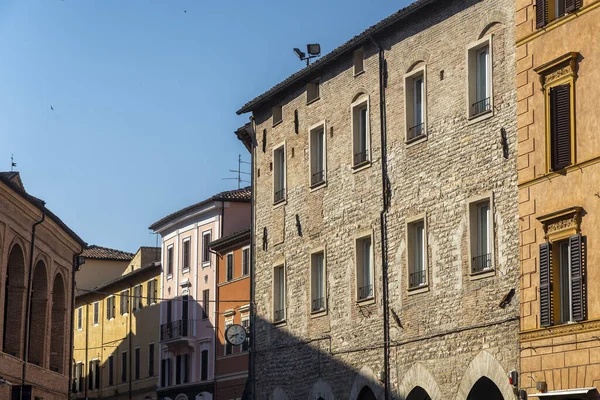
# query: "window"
152,292
136,370
317,278
78,383
185,255
246,325
94,375
415,104
124,297
481,235
166,372
246,261
550,10
279,294
80,318
312,91
151,359
229,267
111,370
277,114
480,77
170,260
110,307
137,298
185,367
560,126
562,268
185,304
417,257
205,303
360,131
206,237
96,307
178,369
364,267
204,365
124,366
317,155
279,174
358,61
228,348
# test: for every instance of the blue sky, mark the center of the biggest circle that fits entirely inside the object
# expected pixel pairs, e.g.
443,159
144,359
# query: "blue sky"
144,95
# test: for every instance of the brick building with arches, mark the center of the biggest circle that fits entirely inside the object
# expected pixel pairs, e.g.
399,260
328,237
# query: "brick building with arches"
37,252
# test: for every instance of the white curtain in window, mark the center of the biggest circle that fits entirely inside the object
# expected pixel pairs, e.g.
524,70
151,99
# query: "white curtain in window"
483,224
418,101
482,74
362,140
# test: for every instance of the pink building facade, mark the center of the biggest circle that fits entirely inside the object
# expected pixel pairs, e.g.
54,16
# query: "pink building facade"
187,315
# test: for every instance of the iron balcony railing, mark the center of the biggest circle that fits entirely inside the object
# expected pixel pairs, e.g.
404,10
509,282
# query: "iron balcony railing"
416,131
360,157
416,279
175,329
318,304
279,315
480,107
481,263
365,292
279,195
317,178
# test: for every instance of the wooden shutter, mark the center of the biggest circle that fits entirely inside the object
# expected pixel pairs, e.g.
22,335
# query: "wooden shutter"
572,5
577,281
545,285
97,374
541,13
560,126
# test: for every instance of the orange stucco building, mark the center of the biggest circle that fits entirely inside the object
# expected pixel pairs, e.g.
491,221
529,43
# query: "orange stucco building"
558,69
233,307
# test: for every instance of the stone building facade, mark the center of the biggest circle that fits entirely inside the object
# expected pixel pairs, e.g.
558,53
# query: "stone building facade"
385,200
558,67
46,268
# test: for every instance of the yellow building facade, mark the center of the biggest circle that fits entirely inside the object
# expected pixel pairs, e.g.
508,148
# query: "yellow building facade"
558,69
116,329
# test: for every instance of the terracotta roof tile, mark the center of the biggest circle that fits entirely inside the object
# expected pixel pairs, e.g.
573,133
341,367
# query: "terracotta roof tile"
104,253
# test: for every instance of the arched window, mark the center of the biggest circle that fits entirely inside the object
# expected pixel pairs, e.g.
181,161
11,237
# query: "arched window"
485,389
14,292
37,315
57,333
418,393
366,394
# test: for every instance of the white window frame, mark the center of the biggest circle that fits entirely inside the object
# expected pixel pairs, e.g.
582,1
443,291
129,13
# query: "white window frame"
314,285
362,100
204,235
472,219
358,61
282,299
226,345
188,241
127,299
311,169
244,249
277,113
96,313
410,101
171,249
359,257
313,91
245,318
411,224
473,50
227,278
282,147
80,318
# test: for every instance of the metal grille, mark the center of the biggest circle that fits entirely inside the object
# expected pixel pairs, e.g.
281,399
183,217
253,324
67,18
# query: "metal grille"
360,157
365,292
279,315
482,263
279,195
317,177
480,107
318,304
174,329
416,279
416,131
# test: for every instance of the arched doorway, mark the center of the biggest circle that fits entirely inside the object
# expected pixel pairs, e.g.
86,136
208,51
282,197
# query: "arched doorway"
57,330
37,314
366,394
14,292
418,393
485,389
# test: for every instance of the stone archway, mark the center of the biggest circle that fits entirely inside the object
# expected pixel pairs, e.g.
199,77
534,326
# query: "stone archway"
418,377
484,365
38,314
14,297
485,389
418,393
279,394
365,378
57,329
366,394
321,391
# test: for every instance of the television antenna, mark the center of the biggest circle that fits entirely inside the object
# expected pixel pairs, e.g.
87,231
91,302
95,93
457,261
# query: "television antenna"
239,172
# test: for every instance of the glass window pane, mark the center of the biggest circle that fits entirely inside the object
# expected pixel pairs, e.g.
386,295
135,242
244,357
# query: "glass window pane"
418,101
565,285
418,250
482,74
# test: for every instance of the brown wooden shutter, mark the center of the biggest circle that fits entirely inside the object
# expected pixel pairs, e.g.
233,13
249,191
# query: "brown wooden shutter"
545,285
577,281
541,13
560,126
572,5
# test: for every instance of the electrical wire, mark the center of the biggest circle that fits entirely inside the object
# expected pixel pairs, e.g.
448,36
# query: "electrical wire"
86,291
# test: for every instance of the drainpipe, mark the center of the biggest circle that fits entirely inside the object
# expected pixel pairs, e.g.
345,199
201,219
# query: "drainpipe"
72,334
28,301
386,194
86,383
251,352
130,316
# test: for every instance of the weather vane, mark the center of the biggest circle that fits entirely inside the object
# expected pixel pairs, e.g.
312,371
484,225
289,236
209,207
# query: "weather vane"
13,164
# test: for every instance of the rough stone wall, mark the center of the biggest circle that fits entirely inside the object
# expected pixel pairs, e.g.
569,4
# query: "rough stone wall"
457,322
